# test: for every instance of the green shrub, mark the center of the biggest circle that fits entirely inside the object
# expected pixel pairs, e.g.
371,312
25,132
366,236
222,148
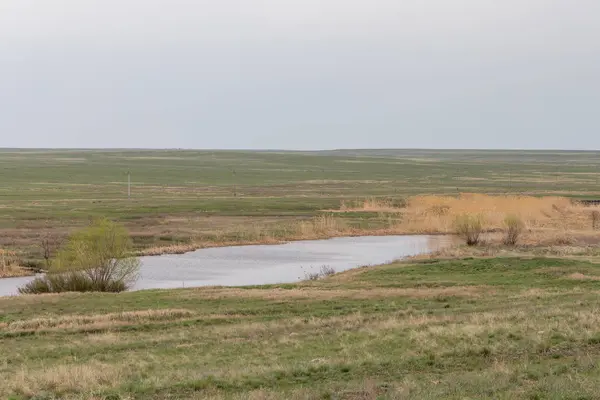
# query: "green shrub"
513,229
98,258
469,227
74,281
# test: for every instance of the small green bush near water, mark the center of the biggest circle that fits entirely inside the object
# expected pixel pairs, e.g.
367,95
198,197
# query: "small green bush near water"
74,281
97,258
469,227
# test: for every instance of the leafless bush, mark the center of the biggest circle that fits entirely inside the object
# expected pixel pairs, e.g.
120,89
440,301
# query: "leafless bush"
595,219
469,227
514,228
49,245
324,272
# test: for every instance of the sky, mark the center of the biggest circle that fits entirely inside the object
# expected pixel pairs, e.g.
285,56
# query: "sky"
300,74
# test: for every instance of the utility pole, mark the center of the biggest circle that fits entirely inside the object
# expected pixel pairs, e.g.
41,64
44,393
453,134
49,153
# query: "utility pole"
234,182
322,181
128,184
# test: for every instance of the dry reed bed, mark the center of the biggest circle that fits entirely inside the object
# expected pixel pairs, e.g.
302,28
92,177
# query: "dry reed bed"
437,213
547,220
10,266
320,227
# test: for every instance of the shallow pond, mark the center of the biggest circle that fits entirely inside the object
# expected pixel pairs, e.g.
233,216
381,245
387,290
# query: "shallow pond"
257,265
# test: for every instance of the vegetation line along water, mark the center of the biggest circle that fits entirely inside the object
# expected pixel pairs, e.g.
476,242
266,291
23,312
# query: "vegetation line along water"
260,264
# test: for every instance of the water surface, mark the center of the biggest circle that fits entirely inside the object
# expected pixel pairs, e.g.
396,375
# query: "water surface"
257,265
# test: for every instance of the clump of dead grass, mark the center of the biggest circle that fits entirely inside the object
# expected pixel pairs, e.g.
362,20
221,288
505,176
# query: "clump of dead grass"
10,265
64,379
170,249
323,225
324,272
104,320
549,237
582,277
374,204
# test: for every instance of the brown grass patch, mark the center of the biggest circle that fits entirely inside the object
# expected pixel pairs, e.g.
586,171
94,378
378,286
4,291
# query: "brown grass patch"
170,249
13,271
10,265
436,213
282,329
369,390
97,321
313,293
581,277
371,205
320,227
67,378
544,221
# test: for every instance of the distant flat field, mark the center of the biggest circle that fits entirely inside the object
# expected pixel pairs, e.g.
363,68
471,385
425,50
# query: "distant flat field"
177,193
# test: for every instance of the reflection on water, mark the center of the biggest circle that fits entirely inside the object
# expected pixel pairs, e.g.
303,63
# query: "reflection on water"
257,265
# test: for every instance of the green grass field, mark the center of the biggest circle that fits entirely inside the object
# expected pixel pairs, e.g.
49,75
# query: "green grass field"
505,328
510,327
178,195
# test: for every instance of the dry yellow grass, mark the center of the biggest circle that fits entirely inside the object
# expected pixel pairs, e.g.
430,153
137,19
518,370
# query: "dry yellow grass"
582,277
437,213
324,225
371,204
320,227
330,294
547,221
9,265
66,378
171,249
101,321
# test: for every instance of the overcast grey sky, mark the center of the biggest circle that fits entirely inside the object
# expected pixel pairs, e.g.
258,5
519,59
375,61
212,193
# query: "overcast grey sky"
300,74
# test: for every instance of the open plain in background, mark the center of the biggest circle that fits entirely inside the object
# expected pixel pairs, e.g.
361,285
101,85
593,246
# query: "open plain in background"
181,198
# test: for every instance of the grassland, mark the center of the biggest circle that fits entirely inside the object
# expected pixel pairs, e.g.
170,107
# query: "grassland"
480,322
184,198
501,328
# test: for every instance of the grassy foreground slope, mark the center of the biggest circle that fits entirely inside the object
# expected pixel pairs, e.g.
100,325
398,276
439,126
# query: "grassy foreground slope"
503,328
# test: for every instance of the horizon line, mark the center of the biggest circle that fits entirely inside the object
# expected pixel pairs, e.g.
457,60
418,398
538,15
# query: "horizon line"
295,150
